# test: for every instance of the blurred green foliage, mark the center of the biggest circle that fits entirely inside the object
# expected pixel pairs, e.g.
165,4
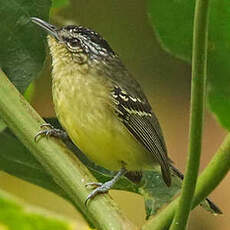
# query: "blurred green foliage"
29,93
173,23
15,215
22,46
59,3
2,125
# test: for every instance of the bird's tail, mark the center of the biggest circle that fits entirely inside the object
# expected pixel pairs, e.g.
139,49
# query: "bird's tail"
214,209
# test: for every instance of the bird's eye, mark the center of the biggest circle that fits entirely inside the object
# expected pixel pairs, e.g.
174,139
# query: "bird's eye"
73,43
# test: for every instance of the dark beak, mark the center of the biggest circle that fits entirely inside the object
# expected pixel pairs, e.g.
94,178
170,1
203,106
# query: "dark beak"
46,26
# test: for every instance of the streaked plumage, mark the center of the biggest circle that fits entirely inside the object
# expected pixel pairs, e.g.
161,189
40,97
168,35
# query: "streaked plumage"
103,108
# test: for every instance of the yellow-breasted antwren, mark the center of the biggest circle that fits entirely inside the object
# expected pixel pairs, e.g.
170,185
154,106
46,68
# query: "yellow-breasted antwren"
101,106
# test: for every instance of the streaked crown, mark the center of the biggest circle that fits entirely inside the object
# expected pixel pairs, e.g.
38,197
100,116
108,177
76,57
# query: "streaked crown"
79,39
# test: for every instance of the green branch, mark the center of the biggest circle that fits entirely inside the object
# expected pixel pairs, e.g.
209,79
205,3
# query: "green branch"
199,67
67,171
213,174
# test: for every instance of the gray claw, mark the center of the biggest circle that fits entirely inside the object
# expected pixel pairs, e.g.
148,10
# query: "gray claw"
47,125
40,133
103,188
51,131
94,184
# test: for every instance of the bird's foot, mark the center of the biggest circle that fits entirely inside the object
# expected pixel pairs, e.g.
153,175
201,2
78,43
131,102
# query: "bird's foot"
103,187
100,188
50,131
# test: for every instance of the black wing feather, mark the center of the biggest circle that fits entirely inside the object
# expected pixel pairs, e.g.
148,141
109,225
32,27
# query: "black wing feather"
137,116
144,132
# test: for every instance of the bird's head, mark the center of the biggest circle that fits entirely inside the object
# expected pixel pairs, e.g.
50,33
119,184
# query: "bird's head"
76,43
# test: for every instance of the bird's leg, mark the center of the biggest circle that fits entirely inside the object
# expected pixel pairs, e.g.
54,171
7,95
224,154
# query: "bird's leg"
104,187
50,131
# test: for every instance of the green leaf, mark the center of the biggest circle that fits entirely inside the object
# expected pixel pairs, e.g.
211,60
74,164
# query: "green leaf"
15,215
59,3
29,93
156,193
173,21
22,50
2,125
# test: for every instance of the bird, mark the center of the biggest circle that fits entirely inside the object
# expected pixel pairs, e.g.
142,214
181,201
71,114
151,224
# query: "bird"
102,107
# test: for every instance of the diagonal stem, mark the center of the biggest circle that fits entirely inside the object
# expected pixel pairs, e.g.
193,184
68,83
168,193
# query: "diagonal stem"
68,172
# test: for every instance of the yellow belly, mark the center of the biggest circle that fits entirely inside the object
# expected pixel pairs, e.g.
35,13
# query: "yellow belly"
83,108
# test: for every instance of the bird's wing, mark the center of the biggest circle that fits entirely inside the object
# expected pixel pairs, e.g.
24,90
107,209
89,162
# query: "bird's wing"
133,109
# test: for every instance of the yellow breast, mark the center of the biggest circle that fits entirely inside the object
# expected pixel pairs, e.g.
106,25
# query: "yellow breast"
84,108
